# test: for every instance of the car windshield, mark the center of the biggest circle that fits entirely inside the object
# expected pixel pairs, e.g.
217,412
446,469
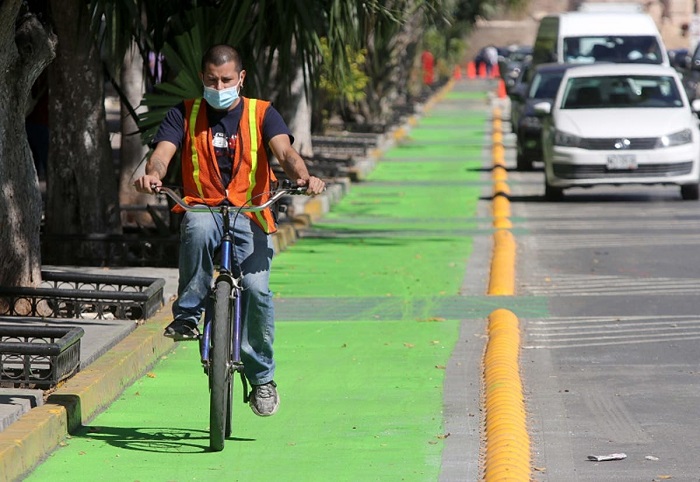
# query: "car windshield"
621,91
617,48
545,85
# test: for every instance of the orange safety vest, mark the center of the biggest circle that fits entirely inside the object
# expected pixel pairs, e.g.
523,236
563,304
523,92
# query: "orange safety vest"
250,184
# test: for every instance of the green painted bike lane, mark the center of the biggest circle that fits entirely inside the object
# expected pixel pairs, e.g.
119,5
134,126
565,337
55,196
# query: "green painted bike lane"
368,317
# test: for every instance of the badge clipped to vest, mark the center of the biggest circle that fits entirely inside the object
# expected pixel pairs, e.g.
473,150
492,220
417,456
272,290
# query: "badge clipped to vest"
219,141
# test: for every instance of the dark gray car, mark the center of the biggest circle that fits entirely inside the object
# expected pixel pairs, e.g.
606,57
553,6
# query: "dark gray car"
543,86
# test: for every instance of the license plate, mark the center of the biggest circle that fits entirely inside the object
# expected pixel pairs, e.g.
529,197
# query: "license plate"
617,162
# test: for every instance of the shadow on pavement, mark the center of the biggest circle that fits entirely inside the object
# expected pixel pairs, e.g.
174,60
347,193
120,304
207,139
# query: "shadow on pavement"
153,439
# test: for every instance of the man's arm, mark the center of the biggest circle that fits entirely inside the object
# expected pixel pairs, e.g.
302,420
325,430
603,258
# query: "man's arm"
294,166
156,167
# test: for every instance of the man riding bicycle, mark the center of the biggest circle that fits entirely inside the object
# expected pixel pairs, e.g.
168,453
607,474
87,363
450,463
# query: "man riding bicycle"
223,139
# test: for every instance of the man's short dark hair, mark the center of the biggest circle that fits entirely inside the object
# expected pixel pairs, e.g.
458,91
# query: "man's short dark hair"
219,55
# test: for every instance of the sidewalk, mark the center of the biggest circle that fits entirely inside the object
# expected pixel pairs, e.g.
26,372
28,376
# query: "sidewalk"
134,351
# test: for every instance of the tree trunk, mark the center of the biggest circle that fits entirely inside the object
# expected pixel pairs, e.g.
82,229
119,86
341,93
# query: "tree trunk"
25,50
82,180
299,116
132,151
391,50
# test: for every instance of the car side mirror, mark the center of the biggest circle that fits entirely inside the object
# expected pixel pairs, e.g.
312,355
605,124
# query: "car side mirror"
544,108
695,105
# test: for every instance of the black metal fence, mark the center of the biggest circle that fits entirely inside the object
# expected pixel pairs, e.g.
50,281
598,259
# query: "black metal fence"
38,356
85,296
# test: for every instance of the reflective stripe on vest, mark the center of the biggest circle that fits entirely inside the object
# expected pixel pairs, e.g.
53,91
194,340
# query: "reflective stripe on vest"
253,128
193,146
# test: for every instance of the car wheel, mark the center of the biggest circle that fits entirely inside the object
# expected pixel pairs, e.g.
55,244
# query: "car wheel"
690,192
552,193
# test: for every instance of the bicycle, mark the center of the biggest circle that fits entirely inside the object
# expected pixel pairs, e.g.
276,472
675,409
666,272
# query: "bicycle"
220,339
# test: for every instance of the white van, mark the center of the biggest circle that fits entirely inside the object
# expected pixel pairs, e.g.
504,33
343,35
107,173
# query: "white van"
587,37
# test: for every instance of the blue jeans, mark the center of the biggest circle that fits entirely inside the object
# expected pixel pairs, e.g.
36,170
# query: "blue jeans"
200,235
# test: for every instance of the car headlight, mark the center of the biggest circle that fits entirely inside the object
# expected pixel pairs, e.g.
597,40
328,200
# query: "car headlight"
565,139
676,139
531,122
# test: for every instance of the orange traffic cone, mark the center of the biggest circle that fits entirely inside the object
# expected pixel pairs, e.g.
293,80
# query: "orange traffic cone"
471,70
495,72
457,75
502,89
482,70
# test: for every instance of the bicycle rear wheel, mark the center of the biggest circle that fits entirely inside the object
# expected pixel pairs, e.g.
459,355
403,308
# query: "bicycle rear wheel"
220,371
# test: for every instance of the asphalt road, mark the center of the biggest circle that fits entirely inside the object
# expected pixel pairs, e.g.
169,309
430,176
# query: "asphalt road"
614,365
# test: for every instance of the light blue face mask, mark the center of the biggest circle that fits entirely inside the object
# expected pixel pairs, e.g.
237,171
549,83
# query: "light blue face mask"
220,99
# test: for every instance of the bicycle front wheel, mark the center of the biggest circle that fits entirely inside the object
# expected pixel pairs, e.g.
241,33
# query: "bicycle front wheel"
220,371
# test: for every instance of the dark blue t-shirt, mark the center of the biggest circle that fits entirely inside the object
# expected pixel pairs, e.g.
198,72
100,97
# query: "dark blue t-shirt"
224,126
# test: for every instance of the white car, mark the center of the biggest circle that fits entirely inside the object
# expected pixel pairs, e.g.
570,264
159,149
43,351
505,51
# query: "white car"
620,124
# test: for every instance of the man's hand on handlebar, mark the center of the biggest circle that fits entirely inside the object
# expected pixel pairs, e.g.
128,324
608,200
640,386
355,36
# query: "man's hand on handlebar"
313,185
148,184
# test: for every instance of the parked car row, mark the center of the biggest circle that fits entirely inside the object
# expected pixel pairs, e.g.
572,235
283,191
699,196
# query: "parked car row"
511,61
688,64
591,119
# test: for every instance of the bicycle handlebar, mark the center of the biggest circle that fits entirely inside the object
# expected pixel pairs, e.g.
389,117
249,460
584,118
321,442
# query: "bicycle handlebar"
276,195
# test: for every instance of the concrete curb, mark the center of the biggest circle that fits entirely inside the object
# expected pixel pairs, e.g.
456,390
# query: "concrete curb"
15,402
